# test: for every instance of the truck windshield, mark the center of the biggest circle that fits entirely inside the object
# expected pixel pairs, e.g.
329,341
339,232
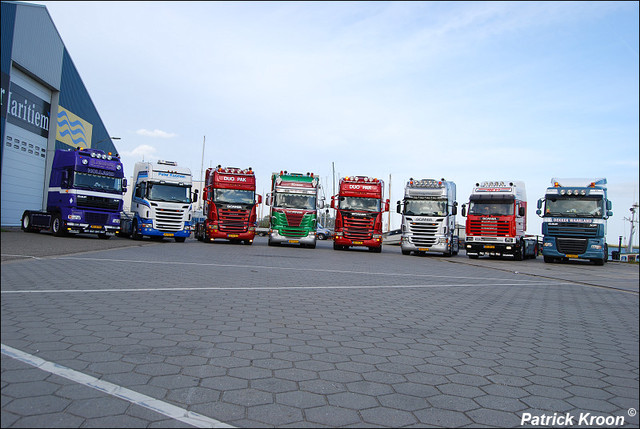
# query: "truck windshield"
233,196
491,208
359,203
97,182
425,207
574,207
171,193
294,201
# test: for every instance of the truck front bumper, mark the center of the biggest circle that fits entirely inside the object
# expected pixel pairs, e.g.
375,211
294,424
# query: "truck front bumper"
373,242
594,250
214,234
85,228
276,237
492,249
408,246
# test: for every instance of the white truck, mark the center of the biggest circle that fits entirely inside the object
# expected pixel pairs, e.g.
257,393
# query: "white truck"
161,202
429,213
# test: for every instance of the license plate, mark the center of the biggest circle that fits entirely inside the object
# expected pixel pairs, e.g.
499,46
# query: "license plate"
358,242
96,227
423,249
572,256
168,234
232,235
487,246
294,241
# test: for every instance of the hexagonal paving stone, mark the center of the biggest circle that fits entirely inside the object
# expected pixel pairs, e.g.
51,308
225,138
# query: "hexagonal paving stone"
275,414
356,401
247,397
301,399
388,417
332,416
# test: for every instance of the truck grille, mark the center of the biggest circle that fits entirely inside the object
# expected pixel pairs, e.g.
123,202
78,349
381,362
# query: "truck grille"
490,228
170,220
571,245
423,233
572,230
294,219
233,221
96,218
89,201
358,228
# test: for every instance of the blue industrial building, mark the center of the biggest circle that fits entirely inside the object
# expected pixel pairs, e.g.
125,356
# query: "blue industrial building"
45,106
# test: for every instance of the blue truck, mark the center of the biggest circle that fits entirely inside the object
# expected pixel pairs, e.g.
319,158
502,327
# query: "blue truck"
84,195
574,220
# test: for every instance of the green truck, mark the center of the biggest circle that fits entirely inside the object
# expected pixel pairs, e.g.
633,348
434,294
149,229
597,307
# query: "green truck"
294,202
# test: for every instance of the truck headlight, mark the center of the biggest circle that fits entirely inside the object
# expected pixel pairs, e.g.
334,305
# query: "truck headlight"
74,217
117,220
596,246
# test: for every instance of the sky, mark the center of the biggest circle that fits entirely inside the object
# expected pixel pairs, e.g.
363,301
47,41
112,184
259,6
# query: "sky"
466,91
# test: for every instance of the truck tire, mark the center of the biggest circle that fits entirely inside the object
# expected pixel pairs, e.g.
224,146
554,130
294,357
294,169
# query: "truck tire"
549,259
406,252
272,243
26,223
180,239
57,226
104,236
135,232
321,236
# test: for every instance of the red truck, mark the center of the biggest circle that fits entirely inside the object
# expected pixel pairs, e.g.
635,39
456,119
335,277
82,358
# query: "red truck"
359,207
229,205
497,221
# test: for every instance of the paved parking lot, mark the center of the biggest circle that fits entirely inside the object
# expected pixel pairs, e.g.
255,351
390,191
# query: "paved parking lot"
144,334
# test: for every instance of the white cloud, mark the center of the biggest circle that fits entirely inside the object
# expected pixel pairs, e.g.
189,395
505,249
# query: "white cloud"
155,133
143,150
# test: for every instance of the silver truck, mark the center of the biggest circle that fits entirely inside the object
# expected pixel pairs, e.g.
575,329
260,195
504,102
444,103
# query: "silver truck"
429,213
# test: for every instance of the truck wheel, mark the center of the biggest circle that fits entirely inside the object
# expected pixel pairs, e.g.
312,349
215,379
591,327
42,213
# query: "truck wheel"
57,226
473,256
321,236
247,242
272,243
26,223
598,262
406,252
104,236
549,259
180,239
135,232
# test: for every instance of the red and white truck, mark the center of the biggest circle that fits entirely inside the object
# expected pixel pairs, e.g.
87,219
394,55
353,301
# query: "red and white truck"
497,221
229,205
359,206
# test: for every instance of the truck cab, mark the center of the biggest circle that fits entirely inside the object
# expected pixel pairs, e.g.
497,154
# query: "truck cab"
428,213
230,204
497,221
161,202
84,195
574,220
359,206
294,201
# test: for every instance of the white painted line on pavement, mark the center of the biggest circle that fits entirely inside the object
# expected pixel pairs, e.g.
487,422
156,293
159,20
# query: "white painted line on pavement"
161,289
177,413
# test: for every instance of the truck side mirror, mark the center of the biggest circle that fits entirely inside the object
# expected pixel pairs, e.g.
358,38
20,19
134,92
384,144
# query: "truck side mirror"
124,185
259,199
609,213
454,209
539,212
464,210
65,179
333,201
386,205
320,204
609,206
398,209
268,199
195,196
540,203
521,211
